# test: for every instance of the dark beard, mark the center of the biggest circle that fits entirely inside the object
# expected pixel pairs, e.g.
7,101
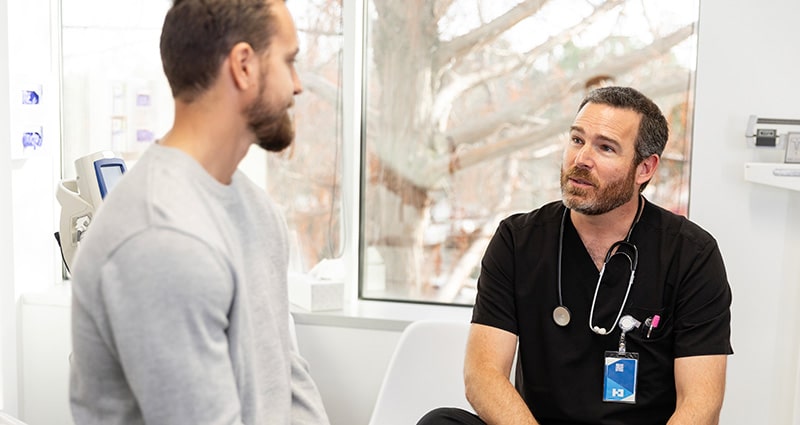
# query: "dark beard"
276,135
274,131
615,194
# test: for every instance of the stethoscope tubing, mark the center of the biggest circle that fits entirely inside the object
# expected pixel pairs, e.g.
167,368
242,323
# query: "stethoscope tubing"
634,262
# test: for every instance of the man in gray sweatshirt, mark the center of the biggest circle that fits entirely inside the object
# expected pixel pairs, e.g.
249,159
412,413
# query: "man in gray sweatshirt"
180,310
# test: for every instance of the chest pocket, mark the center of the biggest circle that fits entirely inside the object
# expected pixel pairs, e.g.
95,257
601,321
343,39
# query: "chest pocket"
658,333
649,300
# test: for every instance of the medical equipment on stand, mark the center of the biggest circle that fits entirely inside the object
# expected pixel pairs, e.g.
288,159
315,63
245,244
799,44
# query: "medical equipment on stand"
96,175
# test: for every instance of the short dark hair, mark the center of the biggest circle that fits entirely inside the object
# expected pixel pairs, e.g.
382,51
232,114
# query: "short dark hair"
198,34
653,130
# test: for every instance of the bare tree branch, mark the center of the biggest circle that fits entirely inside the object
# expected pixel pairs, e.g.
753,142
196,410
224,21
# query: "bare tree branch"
328,92
429,174
482,35
441,7
323,88
461,84
542,136
516,112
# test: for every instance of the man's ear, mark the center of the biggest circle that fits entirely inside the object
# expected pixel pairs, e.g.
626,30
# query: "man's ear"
647,168
242,63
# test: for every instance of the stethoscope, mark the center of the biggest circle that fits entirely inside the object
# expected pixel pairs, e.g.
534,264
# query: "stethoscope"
561,314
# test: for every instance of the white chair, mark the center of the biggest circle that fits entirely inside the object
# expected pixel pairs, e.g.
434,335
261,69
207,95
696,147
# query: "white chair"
425,372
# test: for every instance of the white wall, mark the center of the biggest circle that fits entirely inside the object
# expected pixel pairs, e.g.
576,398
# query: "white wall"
44,361
7,312
748,64
28,254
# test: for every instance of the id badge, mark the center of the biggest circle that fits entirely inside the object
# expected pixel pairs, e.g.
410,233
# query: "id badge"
619,380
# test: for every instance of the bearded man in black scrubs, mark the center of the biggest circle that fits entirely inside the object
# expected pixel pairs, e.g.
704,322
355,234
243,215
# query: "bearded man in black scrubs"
618,310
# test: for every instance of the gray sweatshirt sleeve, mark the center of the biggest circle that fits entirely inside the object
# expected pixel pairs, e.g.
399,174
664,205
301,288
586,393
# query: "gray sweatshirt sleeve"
167,296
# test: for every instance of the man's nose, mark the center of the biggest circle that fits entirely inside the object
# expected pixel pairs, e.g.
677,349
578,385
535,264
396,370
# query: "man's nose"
584,157
298,85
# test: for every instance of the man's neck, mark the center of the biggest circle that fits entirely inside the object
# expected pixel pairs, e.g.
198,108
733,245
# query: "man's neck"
216,140
599,232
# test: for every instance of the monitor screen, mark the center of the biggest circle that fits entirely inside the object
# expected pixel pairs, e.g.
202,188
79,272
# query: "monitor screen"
108,171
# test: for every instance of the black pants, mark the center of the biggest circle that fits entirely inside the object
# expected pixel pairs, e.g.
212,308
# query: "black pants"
450,416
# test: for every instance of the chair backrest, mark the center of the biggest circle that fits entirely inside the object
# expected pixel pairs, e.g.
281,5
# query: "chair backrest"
425,372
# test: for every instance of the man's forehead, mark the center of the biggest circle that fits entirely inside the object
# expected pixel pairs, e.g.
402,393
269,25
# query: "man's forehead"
607,122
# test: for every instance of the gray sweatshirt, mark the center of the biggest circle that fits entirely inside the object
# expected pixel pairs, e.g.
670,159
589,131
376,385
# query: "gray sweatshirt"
179,305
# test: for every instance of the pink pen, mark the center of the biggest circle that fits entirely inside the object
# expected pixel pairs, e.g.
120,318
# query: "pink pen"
653,324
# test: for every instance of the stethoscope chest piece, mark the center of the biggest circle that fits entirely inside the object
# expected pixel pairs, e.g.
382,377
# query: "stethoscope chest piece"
561,316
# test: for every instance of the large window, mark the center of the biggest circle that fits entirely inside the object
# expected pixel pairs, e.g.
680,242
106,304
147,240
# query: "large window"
116,98
467,106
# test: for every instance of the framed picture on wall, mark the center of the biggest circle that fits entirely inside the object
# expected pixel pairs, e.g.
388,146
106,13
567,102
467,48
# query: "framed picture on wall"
31,95
793,148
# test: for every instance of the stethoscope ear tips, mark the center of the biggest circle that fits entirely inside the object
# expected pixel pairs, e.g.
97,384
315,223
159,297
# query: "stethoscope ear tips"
600,331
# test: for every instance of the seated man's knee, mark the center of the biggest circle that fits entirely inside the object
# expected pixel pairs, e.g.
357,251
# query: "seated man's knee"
450,416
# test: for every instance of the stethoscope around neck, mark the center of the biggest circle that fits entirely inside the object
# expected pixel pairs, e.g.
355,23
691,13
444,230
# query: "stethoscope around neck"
561,314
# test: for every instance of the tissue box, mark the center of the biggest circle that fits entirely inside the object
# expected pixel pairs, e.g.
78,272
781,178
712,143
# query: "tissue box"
315,294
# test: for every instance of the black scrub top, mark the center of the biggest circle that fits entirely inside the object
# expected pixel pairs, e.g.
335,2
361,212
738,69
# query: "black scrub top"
680,277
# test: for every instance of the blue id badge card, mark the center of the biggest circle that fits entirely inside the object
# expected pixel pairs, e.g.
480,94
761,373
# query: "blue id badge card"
619,378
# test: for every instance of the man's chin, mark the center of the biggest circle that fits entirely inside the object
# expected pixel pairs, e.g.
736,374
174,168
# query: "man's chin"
577,201
277,136
275,145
